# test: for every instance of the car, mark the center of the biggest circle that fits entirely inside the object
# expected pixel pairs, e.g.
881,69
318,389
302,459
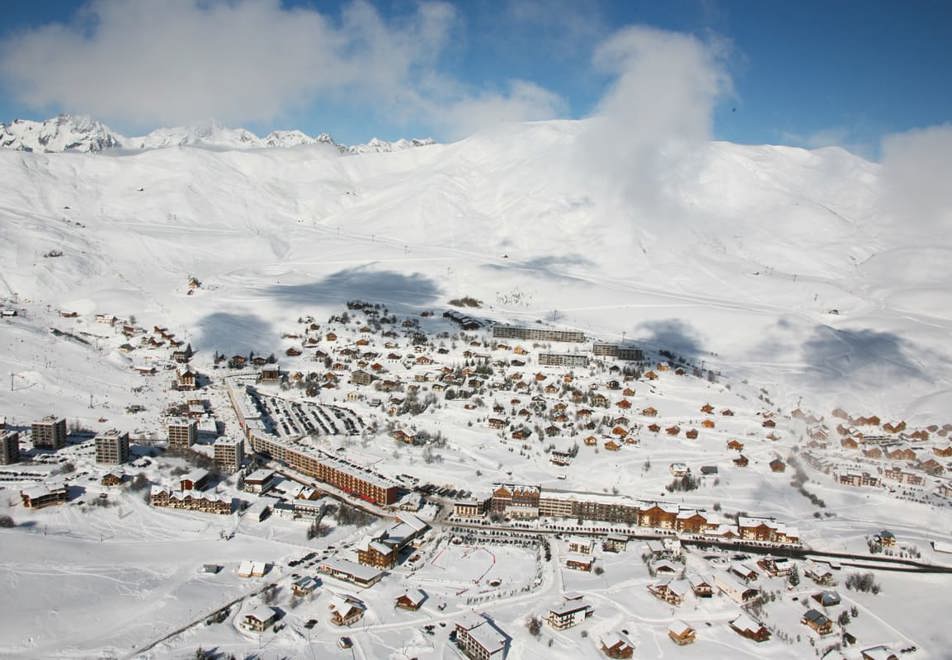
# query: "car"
345,642
310,623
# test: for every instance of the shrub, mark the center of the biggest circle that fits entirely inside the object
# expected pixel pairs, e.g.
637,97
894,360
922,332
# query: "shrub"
7,522
534,624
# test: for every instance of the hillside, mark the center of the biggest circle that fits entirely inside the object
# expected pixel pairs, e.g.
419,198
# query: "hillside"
769,262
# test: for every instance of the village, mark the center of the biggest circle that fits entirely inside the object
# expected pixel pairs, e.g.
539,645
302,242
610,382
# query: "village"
442,482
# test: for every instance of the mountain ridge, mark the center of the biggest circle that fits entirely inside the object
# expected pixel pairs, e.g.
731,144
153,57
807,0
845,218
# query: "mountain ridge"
80,133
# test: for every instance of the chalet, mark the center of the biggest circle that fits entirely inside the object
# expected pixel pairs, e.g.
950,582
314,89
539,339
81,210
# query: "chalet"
747,627
611,445
741,461
346,610
740,593
663,516
775,566
880,652
707,409
47,494
649,412
727,412
260,481
886,538
859,479
304,586
250,569
670,591
820,574
348,571
701,587
402,436
615,543
896,473
572,611
664,567
112,479
581,545
902,454
744,571
691,434
708,423
818,621
681,633
654,428
197,479
580,562
374,551
673,430
259,619
692,522
932,467
777,465
827,598
735,444
616,645
411,600
479,638
600,400
186,379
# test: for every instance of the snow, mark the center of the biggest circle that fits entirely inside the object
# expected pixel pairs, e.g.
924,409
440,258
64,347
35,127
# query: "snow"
84,134
769,240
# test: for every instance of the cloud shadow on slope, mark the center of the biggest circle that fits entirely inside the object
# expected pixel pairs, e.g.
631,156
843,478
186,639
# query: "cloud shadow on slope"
236,334
383,286
672,335
550,267
833,354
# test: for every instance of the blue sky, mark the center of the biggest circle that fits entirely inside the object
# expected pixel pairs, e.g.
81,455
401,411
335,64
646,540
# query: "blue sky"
804,73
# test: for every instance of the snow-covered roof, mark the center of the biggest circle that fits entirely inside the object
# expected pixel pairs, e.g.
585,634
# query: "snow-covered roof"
679,627
744,623
261,614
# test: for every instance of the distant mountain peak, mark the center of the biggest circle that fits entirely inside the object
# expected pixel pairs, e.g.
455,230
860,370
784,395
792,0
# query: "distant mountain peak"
61,133
82,133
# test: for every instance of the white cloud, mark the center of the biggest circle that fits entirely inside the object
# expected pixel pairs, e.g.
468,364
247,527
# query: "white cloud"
917,169
144,63
657,115
521,101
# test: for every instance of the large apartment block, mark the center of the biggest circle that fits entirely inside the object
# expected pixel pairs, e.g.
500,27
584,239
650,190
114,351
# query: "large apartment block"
9,447
563,360
229,454
338,472
183,433
618,351
537,334
112,447
49,433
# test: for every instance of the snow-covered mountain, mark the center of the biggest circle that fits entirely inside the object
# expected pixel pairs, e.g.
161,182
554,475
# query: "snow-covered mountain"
62,133
776,262
83,134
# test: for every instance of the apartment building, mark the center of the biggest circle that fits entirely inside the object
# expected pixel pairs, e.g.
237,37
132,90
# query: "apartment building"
9,447
49,433
537,334
563,360
183,433
229,454
112,447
